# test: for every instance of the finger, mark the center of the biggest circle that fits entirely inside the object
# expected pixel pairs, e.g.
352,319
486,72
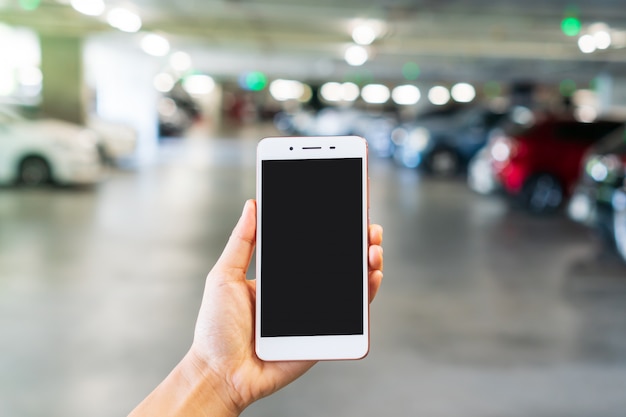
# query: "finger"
240,246
375,258
375,233
375,278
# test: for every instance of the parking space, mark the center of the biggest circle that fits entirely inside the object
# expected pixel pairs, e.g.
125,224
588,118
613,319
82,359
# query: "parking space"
485,310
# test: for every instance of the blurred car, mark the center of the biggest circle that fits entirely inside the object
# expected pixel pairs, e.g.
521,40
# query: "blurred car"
619,221
116,141
480,175
539,165
375,127
602,176
34,152
444,143
176,112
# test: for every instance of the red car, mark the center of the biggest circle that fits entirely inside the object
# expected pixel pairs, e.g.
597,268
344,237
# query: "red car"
539,165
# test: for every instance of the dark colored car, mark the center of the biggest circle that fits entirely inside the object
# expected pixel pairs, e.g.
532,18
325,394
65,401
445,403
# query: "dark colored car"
539,165
596,198
619,221
443,143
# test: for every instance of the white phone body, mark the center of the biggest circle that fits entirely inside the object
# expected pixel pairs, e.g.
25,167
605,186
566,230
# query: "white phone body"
312,300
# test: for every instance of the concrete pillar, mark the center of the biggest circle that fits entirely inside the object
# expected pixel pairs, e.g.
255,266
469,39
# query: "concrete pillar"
63,93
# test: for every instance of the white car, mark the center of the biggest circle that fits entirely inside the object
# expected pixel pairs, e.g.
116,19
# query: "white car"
34,152
117,141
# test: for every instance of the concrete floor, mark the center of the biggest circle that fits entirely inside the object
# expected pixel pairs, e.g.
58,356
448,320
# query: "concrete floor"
484,311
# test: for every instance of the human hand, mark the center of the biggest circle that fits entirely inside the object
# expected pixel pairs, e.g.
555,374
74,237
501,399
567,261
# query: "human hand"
221,374
224,336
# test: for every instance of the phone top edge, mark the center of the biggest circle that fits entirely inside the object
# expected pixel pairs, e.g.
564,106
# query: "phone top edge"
311,147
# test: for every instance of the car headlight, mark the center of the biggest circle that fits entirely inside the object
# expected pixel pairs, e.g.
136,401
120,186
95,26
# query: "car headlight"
419,139
603,168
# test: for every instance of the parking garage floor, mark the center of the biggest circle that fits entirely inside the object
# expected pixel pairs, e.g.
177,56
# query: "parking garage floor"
485,311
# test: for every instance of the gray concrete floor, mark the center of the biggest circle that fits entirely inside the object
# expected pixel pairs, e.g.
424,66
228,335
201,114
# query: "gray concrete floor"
484,311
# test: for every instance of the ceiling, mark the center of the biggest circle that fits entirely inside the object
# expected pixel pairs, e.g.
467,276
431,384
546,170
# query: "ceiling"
450,40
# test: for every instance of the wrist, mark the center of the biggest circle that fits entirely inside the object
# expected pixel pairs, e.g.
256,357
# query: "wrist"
207,386
190,390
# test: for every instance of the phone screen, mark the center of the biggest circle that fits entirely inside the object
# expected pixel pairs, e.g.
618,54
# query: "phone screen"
312,247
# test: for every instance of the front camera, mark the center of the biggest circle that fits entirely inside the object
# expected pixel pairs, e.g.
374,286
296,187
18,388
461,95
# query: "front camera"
291,148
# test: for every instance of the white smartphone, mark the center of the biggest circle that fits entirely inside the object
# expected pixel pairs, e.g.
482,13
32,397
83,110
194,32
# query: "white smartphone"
311,259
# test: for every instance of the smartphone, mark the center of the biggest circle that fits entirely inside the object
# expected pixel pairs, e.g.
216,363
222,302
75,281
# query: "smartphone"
311,253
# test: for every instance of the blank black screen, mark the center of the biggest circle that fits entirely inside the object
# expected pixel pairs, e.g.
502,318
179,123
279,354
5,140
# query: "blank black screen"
312,247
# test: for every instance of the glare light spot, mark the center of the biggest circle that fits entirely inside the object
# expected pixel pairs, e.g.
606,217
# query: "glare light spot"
599,172
439,95
349,91
199,84
375,93
356,55
463,92
283,90
7,81
500,151
180,61
30,76
331,91
602,39
586,113
124,20
522,116
334,91
163,82
406,95
89,7
155,45
587,44
363,35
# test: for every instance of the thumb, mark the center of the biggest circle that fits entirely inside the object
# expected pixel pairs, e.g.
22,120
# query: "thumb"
238,251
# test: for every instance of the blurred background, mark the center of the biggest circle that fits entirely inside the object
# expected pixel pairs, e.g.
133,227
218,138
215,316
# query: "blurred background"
498,153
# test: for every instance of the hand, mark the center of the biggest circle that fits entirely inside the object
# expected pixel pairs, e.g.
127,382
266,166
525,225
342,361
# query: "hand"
221,368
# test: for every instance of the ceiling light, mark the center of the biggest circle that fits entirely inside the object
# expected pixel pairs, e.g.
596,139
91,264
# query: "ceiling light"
283,90
439,95
89,7
363,35
375,94
406,95
463,92
333,91
155,45
199,84
349,91
356,55
124,20
602,39
587,44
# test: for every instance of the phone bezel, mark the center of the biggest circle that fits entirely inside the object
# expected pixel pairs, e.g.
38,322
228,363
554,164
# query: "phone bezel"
313,347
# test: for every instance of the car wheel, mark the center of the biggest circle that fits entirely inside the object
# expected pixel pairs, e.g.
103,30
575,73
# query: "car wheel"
619,232
34,171
444,162
542,194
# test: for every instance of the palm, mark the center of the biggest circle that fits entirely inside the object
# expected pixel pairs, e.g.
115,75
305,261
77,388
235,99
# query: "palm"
228,343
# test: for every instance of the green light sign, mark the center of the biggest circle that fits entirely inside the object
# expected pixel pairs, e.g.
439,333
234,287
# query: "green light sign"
411,71
255,81
571,26
29,4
